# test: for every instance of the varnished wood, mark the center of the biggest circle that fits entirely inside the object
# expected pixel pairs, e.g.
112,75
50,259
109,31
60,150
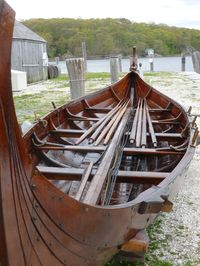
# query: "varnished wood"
70,133
99,149
84,180
96,185
98,110
53,182
134,125
151,129
55,173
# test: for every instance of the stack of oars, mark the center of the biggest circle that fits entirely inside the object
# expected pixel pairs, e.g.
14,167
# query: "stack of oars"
138,133
103,130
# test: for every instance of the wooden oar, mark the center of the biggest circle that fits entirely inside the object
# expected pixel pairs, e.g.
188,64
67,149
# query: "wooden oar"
134,126
151,129
99,178
139,126
92,128
99,129
107,128
115,124
84,180
144,126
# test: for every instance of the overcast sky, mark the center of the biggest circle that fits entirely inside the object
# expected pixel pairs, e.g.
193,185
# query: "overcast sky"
181,13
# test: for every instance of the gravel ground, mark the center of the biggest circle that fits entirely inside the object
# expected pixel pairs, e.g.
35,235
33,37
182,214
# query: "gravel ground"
176,235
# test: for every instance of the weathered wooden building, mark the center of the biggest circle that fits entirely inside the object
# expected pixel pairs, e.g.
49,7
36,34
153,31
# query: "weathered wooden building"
29,53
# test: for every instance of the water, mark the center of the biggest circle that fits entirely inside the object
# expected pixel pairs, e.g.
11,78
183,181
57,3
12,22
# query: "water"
171,64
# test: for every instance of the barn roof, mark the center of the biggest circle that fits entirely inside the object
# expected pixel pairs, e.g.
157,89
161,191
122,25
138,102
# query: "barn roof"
24,33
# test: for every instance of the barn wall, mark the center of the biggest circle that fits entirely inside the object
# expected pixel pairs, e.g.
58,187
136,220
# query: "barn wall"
27,56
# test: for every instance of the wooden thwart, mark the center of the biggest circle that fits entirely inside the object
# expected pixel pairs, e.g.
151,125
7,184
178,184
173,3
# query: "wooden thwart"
138,177
99,110
71,133
99,149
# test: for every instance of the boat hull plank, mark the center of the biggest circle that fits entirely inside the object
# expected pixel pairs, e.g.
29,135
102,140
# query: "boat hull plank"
72,195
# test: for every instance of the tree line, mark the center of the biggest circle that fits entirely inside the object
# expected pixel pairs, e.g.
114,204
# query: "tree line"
111,36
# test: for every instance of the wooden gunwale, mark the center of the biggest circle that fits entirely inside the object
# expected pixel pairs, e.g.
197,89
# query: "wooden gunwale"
40,225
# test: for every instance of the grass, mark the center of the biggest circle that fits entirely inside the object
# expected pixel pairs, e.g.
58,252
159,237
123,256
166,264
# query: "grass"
158,74
56,90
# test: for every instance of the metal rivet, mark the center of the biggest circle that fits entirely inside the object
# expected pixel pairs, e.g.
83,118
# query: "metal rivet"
36,205
34,219
33,186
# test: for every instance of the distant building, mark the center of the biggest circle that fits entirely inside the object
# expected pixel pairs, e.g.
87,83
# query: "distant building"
29,53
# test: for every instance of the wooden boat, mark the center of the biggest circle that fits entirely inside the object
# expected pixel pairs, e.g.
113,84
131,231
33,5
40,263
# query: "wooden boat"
85,181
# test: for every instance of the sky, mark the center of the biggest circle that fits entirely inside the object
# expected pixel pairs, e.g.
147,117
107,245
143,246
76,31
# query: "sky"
180,13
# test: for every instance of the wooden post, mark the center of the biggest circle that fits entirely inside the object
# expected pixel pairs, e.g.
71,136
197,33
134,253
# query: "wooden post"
120,62
114,69
84,54
133,60
57,60
196,61
183,63
151,64
75,68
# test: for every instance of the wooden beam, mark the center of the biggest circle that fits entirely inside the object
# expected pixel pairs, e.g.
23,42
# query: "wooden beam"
146,151
137,244
84,179
151,129
168,135
75,133
103,120
99,110
99,149
74,148
138,177
99,179
165,123
144,128
139,126
91,119
157,110
69,133
134,125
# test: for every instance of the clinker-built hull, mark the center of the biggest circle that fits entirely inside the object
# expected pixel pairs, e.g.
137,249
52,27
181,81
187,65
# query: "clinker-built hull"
85,181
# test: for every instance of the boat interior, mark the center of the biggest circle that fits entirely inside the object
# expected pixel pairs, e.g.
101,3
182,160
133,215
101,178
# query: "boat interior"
108,147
